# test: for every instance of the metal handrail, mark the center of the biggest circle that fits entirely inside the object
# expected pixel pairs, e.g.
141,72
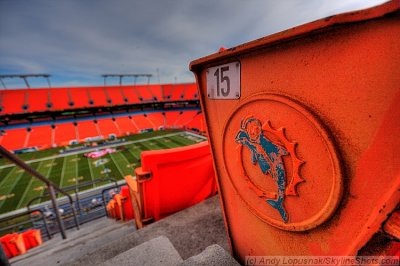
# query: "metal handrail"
43,218
73,187
50,186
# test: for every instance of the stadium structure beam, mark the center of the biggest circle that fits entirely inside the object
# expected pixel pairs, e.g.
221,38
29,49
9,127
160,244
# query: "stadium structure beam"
24,77
121,76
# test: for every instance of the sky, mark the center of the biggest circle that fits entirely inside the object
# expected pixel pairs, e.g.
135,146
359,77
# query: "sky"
76,41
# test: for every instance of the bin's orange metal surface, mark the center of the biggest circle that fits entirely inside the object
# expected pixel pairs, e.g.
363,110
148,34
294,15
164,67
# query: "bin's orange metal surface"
307,156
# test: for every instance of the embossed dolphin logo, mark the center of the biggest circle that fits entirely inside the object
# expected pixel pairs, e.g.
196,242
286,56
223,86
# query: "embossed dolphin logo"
269,158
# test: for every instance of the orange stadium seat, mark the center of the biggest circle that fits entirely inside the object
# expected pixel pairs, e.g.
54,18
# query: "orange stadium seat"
60,98
156,91
64,133
13,101
157,119
40,137
185,117
174,92
125,125
87,129
107,127
197,122
98,96
116,95
145,93
170,118
186,178
142,122
14,139
79,98
131,93
38,100
191,91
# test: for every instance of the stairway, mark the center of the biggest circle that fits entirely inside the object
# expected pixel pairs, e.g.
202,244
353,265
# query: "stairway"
195,236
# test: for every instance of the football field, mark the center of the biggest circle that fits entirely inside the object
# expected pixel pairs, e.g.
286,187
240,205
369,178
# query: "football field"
18,187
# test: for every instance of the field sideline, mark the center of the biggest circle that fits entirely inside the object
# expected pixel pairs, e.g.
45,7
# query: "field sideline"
17,187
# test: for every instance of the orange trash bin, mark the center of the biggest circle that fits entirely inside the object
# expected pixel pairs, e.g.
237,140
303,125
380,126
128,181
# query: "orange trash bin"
304,127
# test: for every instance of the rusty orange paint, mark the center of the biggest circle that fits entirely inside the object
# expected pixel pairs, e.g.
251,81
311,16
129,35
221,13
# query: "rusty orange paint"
328,93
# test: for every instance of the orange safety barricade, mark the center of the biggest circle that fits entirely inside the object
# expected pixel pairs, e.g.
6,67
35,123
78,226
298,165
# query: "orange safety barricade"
13,244
304,127
32,238
171,180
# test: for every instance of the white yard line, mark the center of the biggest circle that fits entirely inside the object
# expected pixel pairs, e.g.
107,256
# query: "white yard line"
63,172
11,188
27,188
119,169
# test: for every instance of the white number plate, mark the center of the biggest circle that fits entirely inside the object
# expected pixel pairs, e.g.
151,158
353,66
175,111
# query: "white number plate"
223,82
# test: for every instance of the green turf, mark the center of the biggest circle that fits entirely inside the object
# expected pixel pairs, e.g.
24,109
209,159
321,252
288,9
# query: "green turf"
17,187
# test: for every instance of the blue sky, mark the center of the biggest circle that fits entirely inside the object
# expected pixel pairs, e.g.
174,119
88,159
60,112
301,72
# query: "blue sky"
78,40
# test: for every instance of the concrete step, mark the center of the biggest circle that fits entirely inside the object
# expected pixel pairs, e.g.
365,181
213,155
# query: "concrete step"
90,237
190,231
212,255
155,252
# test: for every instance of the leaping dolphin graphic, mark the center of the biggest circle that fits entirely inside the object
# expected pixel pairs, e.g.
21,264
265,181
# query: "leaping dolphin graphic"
269,158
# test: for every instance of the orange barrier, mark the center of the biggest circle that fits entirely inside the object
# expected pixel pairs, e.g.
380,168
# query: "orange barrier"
127,208
171,180
32,238
304,127
13,245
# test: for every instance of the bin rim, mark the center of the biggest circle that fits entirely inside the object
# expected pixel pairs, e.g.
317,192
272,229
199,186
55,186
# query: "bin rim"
299,31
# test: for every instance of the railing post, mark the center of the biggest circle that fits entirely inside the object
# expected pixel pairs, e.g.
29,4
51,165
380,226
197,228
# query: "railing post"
55,208
46,226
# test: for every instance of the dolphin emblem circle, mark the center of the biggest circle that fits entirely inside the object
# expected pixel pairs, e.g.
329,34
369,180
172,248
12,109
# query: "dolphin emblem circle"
268,154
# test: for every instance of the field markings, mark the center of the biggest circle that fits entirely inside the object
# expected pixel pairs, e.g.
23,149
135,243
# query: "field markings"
117,165
69,164
63,172
91,171
7,176
93,149
27,189
47,176
6,190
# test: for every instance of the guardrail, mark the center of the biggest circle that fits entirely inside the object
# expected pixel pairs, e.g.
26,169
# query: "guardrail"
50,186
32,220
